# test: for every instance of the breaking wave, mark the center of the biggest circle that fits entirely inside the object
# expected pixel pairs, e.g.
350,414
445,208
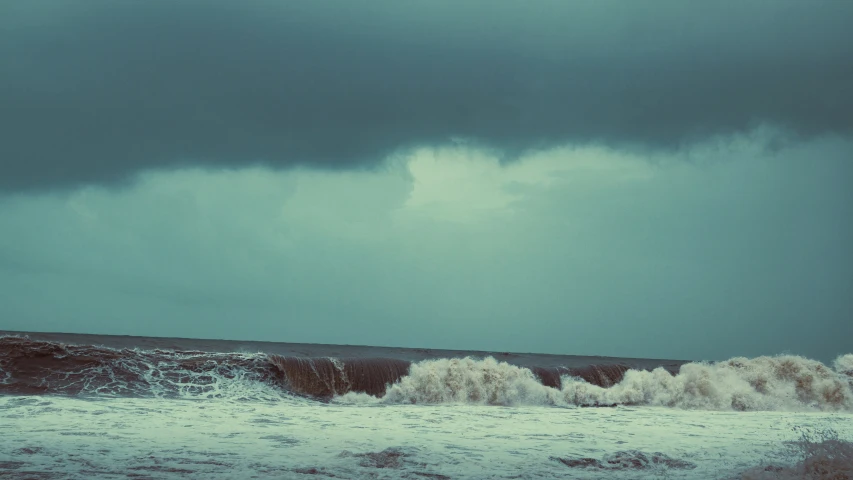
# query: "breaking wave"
30,367
765,383
468,380
844,364
37,367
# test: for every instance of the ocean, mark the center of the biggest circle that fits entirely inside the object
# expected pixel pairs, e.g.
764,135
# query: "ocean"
84,406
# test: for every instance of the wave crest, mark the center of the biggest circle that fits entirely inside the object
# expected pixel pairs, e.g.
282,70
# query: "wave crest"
765,383
844,364
466,380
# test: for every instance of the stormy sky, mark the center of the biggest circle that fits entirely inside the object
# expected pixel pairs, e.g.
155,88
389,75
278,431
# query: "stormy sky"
656,179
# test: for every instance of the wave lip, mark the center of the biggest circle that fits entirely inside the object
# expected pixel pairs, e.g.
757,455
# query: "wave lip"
328,377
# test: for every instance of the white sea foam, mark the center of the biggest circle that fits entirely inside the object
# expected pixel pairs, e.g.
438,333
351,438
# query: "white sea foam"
764,383
159,373
463,381
844,364
785,383
171,438
213,378
467,380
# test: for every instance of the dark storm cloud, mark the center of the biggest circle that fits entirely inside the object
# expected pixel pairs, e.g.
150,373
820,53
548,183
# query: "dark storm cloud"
93,91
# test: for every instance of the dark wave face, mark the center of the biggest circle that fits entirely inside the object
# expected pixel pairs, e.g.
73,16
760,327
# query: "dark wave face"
40,367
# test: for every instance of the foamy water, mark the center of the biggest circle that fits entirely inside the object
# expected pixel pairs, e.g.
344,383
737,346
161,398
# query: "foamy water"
81,438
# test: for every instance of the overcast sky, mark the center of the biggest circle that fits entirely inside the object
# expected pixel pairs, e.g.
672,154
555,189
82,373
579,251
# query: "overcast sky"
655,179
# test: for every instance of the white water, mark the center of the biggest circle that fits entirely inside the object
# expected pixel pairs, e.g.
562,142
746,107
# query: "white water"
844,364
763,383
79,438
471,381
781,383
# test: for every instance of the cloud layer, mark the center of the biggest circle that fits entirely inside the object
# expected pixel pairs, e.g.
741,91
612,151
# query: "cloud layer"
579,250
95,93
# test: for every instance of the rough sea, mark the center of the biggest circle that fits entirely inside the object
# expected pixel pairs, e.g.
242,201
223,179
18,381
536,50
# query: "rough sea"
85,406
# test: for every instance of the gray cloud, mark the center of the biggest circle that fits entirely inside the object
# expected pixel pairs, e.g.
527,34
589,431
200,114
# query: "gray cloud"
95,91
741,251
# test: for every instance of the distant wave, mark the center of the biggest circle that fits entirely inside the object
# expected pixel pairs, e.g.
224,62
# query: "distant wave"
32,367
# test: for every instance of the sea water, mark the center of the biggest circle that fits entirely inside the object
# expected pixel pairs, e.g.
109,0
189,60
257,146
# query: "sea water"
91,411
82,438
